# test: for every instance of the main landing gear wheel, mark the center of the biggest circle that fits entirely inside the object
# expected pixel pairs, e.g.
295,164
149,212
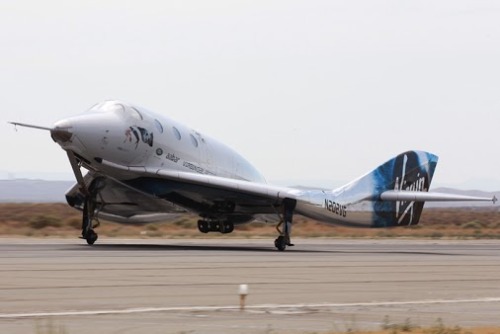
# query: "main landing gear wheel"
226,227
203,226
91,237
280,243
215,226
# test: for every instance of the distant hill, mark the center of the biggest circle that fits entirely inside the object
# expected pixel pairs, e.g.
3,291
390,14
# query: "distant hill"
39,191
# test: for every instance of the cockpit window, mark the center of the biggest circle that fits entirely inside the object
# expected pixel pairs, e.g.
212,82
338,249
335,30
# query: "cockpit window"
118,107
107,106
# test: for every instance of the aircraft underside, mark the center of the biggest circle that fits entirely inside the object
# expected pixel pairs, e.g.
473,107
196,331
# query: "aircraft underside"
140,200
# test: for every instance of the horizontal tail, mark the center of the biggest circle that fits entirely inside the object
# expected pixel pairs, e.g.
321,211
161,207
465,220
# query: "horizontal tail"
393,194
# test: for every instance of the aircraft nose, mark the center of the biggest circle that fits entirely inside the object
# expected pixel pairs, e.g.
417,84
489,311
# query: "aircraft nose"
76,133
109,135
94,135
61,132
84,132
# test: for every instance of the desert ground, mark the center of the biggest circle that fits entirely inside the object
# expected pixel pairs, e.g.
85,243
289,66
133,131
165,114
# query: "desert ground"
59,220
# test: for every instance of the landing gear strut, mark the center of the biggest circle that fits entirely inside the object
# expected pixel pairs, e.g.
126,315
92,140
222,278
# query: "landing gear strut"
89,215
87,222
284,238
89,205
90,210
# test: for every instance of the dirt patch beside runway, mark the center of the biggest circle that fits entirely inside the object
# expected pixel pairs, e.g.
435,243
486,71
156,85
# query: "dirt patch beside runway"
60,220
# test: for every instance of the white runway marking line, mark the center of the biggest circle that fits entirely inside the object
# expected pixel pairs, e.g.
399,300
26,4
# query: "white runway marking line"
236,308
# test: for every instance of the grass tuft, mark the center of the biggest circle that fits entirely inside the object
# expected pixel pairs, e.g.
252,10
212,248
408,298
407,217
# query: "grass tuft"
394,328
440,328
49,327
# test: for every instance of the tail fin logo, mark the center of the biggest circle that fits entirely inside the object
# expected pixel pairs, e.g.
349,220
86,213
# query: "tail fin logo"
409,171
404,210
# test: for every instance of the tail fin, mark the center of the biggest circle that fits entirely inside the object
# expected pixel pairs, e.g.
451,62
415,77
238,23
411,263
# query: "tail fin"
409,171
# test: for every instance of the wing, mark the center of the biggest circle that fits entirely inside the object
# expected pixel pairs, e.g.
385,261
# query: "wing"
155,195
118,202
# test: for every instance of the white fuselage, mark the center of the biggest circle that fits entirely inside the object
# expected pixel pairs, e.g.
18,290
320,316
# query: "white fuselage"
120,140
131,136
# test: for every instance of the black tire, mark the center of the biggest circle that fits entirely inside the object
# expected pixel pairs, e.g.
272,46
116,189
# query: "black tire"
203,226
226,227
280,243
229,227
91,237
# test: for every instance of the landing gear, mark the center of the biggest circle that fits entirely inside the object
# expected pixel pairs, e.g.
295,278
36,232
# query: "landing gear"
226,227
215,226
89,204
284,238
88,232
90,212
203,226
280,243
91,237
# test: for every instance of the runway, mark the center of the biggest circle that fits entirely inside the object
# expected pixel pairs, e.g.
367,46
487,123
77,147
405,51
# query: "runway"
191,286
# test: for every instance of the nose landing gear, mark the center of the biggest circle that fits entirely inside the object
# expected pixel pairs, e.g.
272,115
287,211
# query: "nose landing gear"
88,218
89,204
88,232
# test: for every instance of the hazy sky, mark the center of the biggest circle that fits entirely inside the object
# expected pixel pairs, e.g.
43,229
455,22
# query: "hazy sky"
306,90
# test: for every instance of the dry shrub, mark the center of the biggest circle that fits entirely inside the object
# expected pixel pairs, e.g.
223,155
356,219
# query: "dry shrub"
473,225
41,221
74,223
152,227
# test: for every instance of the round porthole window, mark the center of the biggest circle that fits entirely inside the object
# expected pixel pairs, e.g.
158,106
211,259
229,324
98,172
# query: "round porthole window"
194,141
177,134
159,127
159,151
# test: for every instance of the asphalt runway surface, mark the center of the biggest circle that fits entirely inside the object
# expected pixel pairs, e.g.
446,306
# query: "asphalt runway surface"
191,286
